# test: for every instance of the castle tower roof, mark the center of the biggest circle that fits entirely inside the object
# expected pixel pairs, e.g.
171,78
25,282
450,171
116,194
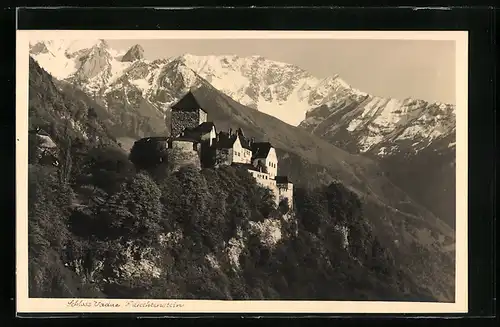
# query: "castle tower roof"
225,140
187,103
261,149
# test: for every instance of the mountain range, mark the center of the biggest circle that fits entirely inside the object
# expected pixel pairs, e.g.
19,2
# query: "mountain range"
397,155
412,139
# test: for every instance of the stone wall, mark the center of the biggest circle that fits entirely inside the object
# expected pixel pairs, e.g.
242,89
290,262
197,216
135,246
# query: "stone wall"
183,119
266,180
286,191
182,154
223,157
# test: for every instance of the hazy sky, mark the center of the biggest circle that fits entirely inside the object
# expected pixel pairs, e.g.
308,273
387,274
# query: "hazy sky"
389,68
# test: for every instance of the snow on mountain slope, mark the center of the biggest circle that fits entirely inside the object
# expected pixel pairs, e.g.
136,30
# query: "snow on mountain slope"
89,63
279,89
379,126
413,141
327,107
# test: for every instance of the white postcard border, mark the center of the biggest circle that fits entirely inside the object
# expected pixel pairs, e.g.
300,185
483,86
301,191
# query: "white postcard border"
31,305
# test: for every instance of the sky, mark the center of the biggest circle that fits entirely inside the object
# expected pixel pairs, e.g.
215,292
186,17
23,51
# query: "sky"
420,69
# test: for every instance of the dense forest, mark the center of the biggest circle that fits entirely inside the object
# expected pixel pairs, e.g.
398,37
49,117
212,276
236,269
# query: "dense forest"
110,230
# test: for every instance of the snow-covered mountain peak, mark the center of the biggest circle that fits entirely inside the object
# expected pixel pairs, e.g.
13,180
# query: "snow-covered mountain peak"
92,64
136,52
279,89
69,47
224,61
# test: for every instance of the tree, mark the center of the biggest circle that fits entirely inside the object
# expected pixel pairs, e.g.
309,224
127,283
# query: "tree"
284,206
310,209
104,167
134,212
48,206
66,156
34,143
261,166
148,154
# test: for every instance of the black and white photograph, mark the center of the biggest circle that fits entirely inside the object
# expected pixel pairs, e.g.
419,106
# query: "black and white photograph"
242,169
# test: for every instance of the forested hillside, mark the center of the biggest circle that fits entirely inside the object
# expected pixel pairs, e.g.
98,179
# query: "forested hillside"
210,234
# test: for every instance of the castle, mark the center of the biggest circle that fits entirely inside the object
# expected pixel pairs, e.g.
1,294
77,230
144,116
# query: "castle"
198,143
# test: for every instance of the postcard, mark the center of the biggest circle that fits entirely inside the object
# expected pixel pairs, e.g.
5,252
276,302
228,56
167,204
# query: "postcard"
241,171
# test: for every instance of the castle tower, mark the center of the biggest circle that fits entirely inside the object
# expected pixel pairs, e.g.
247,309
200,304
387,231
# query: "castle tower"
187,113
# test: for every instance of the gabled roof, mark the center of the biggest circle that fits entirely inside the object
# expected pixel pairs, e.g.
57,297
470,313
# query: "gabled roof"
185,139
281,179
46,141
152,139
245,165
190,134
203,128
245,142
260,149
225,141
197,132
187,103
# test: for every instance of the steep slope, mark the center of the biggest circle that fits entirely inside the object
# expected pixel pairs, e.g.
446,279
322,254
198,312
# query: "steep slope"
89,63
413,140
282,90
279,89
134,53
128,116
388,130
401,223
60,113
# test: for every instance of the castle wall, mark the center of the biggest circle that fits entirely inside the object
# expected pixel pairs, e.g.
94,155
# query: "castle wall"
240,154
263,179
209,137
286,191
183,153
266,180
224,157
272,163
213,135
184,119
207,155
